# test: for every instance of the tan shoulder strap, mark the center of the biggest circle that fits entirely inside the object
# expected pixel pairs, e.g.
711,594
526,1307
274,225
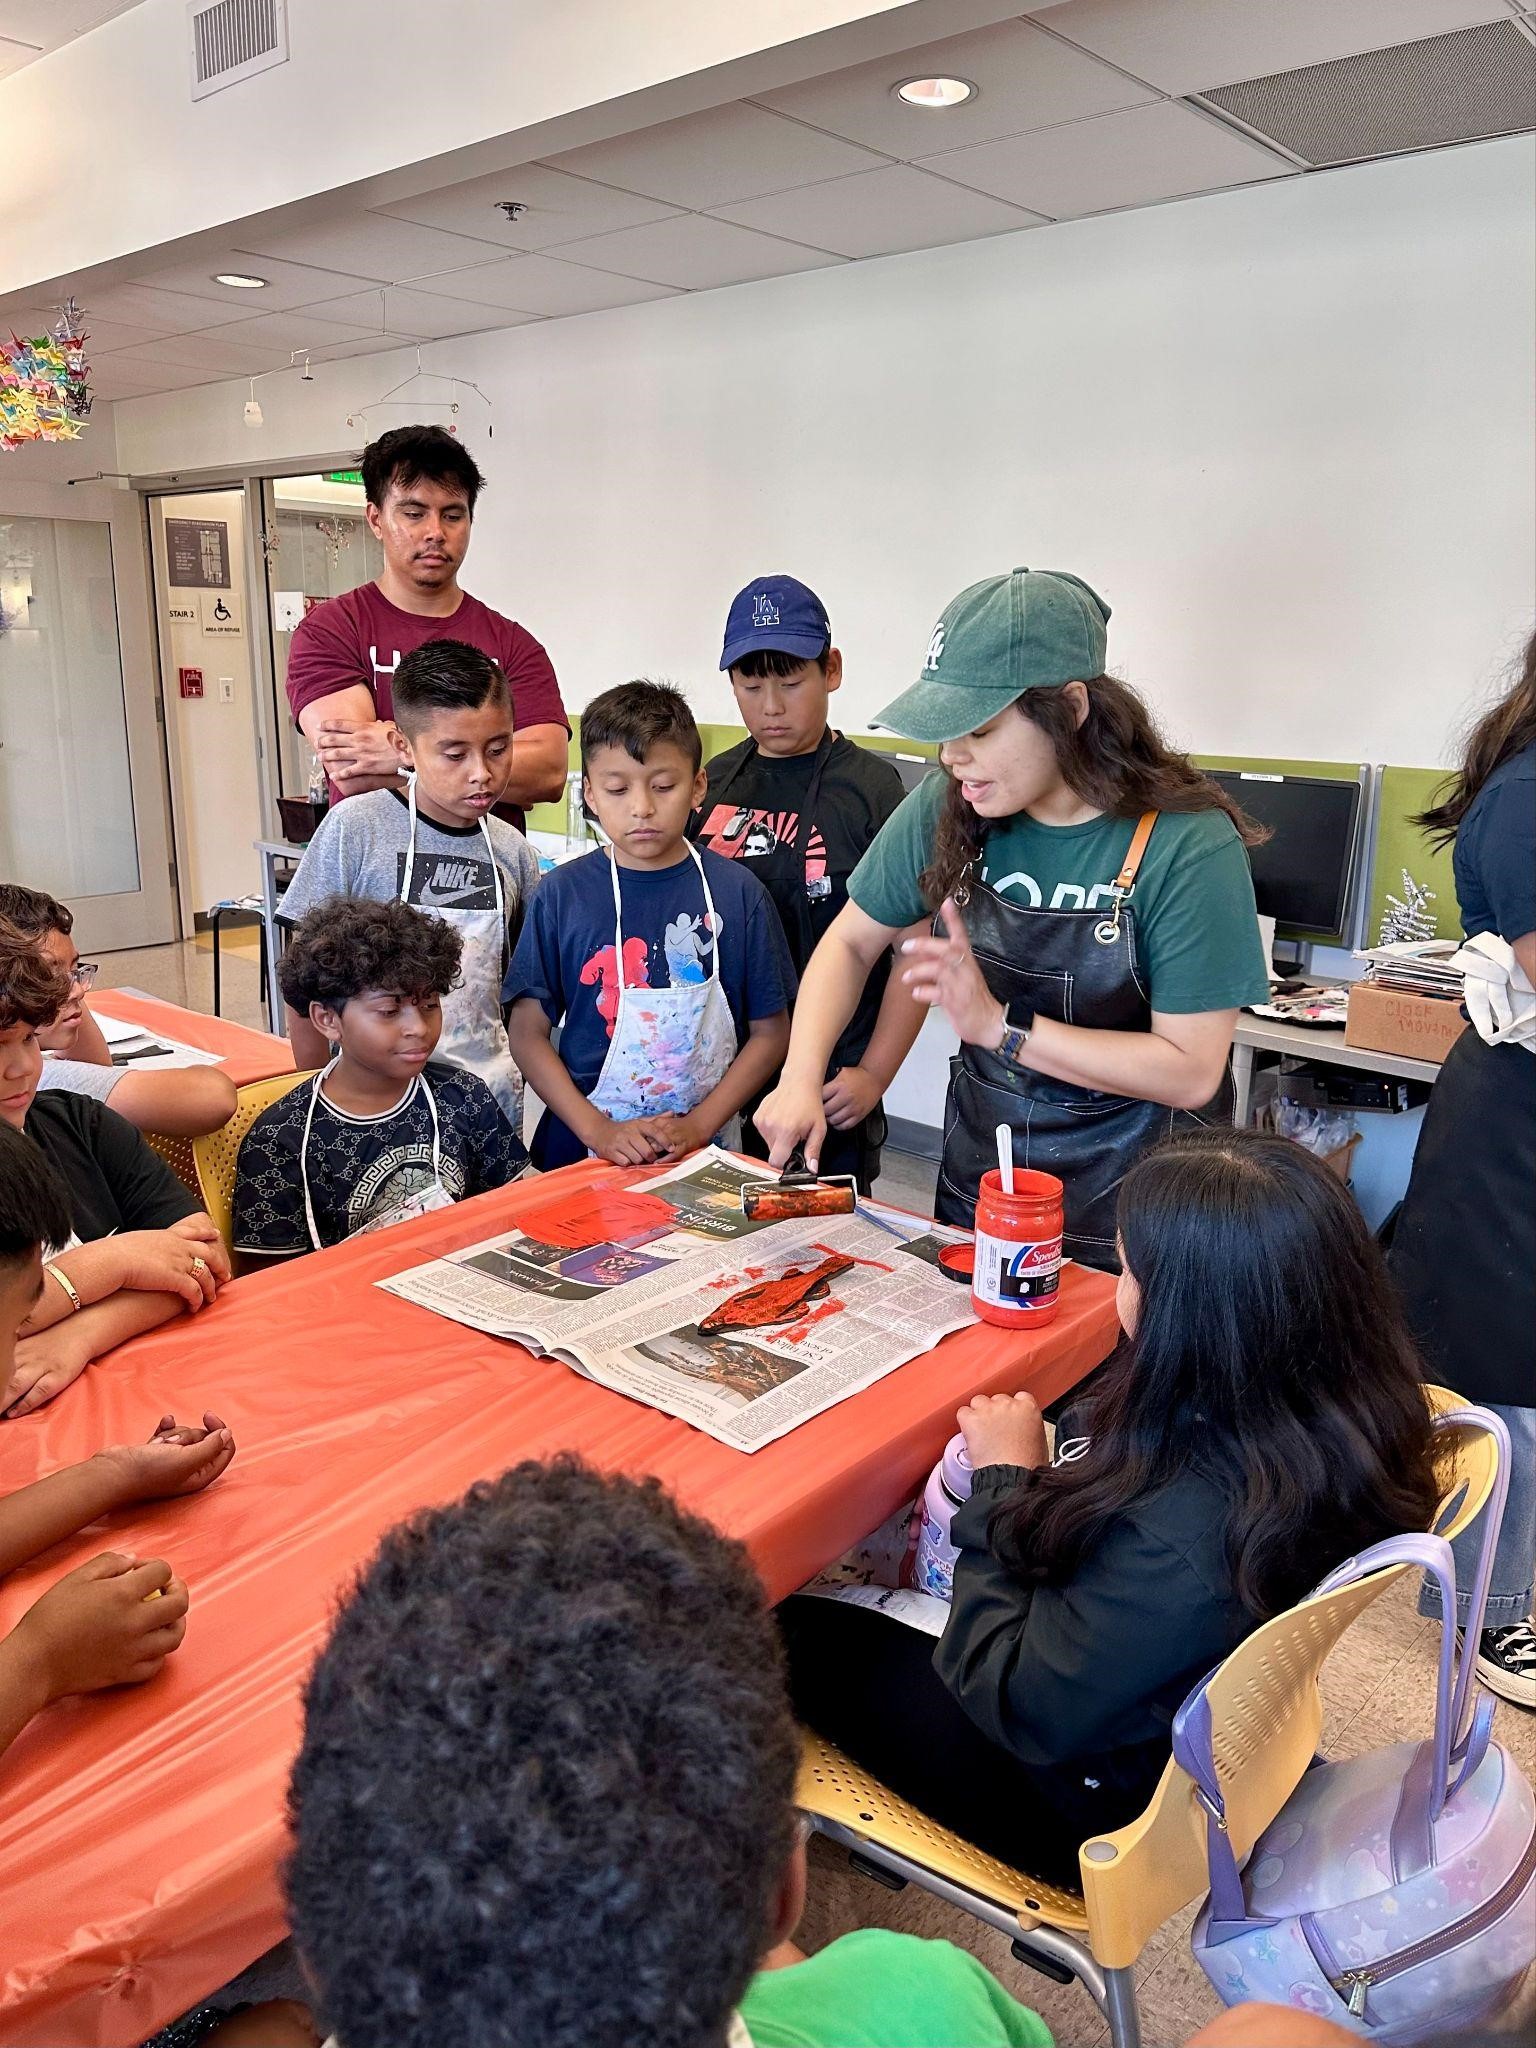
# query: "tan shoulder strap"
1135,852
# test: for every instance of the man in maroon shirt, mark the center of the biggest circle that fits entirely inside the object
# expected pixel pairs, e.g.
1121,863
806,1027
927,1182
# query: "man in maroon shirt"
421,486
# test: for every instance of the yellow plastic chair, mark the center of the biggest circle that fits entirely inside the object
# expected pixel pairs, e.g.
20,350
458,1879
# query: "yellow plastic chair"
214,1155
1267,1714
177,1154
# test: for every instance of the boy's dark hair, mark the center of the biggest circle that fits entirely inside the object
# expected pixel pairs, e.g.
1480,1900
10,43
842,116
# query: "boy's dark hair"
411,455
32,989
773,661
544,1791
445,675
637,717
34,911
346,948
34,1204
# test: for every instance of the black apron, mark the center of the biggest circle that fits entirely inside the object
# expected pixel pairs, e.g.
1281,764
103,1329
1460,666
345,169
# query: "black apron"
1464,1250
1080,967
856,1151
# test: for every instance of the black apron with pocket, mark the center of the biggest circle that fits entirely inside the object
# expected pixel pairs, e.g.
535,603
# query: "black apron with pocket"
1080,967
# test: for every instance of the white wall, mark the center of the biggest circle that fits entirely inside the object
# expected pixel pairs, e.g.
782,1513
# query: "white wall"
215,790
1287,431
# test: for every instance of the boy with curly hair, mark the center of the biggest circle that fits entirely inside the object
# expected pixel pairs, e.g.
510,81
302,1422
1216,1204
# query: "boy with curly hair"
384,1131
545,1795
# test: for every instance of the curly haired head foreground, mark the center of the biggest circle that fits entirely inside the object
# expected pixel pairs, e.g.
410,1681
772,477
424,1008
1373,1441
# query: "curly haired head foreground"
544,1791
345,948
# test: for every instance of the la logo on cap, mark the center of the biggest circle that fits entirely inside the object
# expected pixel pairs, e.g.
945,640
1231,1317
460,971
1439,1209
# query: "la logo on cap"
935,647
764,611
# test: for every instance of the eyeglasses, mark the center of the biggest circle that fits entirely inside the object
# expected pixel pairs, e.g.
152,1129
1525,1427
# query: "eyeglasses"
83,973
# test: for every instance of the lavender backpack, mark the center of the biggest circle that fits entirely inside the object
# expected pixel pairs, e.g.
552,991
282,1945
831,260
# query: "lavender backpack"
1387,1894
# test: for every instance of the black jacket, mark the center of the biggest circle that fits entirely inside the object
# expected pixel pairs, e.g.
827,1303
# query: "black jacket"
1091,1672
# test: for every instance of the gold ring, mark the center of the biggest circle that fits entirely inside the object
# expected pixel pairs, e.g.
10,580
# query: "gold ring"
199,1265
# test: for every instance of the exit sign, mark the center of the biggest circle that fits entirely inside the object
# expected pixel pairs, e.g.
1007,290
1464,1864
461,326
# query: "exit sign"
343,476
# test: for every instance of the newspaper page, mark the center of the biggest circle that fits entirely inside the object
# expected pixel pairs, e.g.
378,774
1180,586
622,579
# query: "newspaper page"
663,1290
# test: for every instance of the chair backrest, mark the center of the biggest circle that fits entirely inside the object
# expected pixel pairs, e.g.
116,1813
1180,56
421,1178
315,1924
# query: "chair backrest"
215,1154
1267,1716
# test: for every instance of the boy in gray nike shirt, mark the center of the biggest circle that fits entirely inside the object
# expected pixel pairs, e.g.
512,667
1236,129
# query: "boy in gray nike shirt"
437,845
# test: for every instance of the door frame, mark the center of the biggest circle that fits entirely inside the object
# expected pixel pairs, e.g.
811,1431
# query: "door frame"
150,914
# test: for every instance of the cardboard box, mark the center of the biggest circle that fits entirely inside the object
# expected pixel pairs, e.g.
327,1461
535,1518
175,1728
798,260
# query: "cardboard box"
1386,1020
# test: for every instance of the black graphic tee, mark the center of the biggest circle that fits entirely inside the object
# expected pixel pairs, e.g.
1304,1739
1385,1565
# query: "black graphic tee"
753,812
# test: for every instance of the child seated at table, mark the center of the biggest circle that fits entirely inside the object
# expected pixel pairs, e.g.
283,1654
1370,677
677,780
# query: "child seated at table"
179,1102
138,1247
103,1623
438,845
1263,1420
664,967
545,1794
385,1131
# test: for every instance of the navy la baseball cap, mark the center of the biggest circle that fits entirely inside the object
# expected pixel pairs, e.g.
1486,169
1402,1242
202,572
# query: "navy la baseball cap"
776,612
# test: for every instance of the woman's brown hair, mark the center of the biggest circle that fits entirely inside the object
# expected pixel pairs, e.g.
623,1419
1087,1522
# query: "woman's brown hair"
32,989
1116,760
1501,733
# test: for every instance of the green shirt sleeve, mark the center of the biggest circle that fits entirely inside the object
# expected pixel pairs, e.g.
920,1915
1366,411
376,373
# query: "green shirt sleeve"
885,883
1199,928
877,1989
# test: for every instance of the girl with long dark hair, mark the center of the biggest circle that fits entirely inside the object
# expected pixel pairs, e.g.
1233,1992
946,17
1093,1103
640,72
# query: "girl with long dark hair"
1464,1251
1263,1420
1098,926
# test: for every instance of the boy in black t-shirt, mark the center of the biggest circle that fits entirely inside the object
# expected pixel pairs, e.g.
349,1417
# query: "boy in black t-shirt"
384,1132
798,804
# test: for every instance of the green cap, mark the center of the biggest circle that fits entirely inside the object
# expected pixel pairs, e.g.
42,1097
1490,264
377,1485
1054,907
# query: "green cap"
1035,629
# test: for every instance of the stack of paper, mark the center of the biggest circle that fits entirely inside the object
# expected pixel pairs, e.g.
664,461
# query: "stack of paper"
1416,967
132,1045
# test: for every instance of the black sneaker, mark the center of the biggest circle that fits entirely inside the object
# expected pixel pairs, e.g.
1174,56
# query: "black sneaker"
1506,1662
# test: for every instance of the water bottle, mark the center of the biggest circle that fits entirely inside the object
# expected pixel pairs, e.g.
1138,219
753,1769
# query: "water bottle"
949,1487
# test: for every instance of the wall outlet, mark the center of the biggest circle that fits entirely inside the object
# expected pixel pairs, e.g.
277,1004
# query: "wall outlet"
226,689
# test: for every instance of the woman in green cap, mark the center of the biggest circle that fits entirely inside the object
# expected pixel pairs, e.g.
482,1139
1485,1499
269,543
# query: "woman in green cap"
1093,925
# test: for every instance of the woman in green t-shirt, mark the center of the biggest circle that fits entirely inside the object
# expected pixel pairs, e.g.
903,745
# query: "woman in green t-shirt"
1094,931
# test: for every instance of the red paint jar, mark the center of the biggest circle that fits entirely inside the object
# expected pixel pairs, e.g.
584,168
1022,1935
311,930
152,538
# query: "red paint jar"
1018,1250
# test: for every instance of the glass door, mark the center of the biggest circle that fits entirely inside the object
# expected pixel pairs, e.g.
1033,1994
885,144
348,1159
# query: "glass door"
82,755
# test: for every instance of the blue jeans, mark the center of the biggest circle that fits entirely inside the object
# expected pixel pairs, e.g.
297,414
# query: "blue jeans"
1514,1557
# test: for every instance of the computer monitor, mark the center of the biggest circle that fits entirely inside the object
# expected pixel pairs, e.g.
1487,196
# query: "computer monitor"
1304,873
913,769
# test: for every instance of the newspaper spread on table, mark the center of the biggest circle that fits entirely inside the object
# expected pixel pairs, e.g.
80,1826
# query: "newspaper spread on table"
663,1290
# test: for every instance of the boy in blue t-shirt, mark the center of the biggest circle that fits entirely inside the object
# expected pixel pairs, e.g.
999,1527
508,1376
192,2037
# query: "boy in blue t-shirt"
664,967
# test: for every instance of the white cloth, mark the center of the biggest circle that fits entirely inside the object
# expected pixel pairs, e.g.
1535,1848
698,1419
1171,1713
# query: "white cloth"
1499,999
80,1077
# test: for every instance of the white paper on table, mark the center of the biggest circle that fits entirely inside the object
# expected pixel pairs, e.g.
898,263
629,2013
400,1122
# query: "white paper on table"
119,1030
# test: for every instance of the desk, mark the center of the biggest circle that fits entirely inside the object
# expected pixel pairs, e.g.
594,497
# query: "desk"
275,853
1321,1042
245,1055
141,1832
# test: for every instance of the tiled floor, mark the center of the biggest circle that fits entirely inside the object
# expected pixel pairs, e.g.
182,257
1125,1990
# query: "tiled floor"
1378,1687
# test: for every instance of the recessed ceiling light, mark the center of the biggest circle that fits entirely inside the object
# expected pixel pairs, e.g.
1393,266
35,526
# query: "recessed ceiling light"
241,280
935,92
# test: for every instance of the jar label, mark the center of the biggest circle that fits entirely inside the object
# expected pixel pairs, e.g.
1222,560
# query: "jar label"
1018,1274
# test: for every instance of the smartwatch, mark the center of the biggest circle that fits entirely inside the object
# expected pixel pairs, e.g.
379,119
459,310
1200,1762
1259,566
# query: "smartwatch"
1018,1022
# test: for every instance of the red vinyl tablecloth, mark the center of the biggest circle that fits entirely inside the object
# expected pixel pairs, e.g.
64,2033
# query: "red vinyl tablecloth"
244,1054
141,1831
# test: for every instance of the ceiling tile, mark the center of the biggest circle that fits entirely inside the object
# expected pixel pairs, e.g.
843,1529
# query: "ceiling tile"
1024,79
298,330
560,208
211,352
1128,159
366,345
548,286
369,246
113,377
1184,46
288,284
424,316
876,213
717,157
694,253
100,335
158,311
14,55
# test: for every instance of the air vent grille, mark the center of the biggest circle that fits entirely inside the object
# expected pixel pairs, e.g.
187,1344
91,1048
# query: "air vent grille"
234,39
1480,81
